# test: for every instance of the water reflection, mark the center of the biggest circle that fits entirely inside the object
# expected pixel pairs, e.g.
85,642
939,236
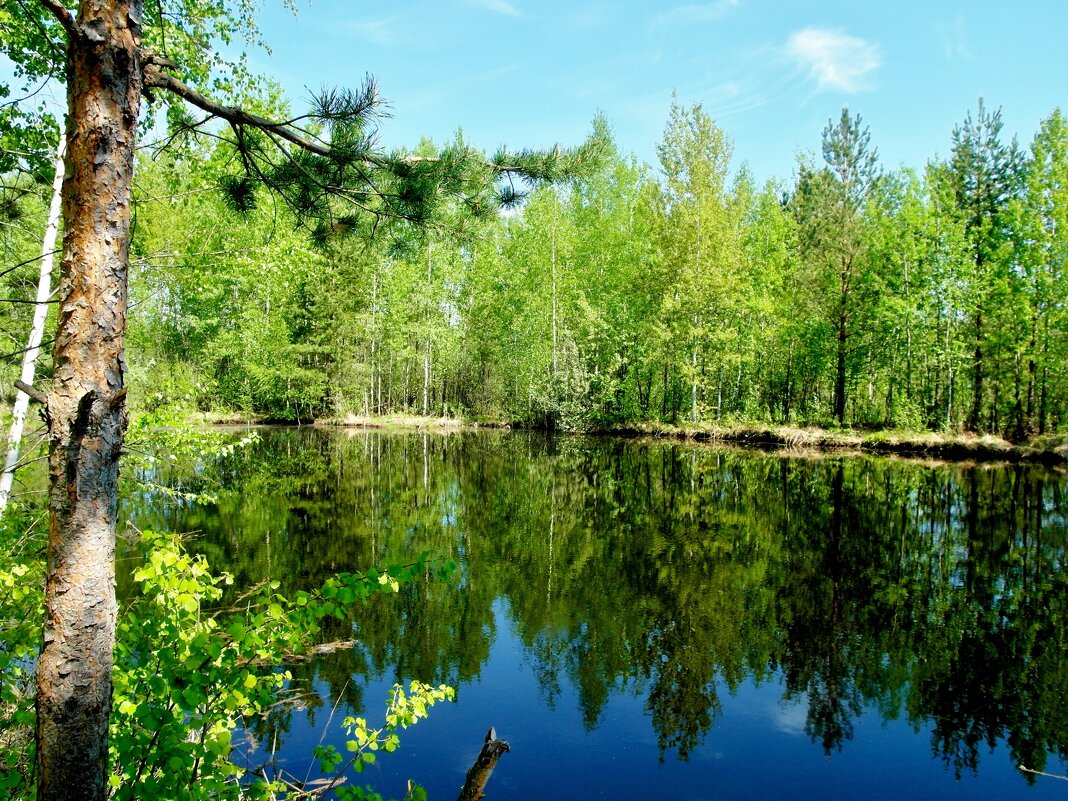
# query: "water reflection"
676,575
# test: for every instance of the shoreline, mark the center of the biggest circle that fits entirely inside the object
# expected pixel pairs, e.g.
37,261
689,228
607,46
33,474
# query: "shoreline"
1048,451
943,447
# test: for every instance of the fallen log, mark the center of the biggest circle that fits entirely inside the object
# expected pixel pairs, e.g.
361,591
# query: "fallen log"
479,774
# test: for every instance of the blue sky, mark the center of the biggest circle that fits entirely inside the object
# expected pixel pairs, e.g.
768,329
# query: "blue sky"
527,73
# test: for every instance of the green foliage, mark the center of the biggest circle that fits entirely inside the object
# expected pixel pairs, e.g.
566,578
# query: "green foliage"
404,709
183,678
700,248
984,175
24,200
164,451
21,583
849,297
236,295
836,216
192,665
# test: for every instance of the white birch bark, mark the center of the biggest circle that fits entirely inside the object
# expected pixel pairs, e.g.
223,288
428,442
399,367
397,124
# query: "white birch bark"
40,313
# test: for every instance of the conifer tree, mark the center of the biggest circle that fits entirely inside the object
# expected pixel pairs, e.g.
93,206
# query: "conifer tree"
830,204
984,175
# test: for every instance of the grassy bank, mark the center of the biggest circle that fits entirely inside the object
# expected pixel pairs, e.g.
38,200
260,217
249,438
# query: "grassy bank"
393,421
949,447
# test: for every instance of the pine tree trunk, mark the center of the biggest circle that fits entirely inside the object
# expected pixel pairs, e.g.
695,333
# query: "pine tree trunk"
426,381
1042,402
977,375
786,386
664,396
719,393
374,363
908,338
840,370
87,418
40,314
1032,376
426,355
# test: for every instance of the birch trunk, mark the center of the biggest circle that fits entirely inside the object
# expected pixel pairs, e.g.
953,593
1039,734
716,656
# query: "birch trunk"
949,375
426,381
40,314
553,264
376,368
426,354
693,383
86,408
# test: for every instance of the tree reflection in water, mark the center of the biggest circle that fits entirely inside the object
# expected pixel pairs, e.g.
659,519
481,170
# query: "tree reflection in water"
674,573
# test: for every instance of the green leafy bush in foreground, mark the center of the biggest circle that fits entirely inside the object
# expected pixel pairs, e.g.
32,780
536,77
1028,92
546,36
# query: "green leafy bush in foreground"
190,664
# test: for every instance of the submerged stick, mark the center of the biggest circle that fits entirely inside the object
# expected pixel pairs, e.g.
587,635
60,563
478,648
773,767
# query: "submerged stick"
1040,773
479,774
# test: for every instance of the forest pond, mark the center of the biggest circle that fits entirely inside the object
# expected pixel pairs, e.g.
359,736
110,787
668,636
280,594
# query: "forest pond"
649,620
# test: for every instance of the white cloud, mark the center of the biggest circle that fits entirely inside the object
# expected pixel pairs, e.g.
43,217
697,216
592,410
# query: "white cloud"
791,718
698,12
377,31
955,40
590,16
835,60
500,6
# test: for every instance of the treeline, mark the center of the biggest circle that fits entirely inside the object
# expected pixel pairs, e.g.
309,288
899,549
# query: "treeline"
854,294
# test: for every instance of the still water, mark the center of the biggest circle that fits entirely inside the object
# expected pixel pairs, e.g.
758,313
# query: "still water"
665,621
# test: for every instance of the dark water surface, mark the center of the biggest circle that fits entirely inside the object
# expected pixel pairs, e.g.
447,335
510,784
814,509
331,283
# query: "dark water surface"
667,621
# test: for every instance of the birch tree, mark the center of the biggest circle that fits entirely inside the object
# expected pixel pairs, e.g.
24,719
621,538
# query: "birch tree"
37,326
1046,269
699,242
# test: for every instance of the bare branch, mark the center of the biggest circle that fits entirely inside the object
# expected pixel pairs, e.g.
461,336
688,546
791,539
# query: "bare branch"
60,12
28,261
37,395
14,353
28,302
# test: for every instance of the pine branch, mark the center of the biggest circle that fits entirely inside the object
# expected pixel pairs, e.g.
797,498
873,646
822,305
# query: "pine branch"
348,107
28,261
34,393
334,160
156,77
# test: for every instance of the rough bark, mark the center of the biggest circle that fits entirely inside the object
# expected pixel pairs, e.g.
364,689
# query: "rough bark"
840,374
86,405
40,314
974,416
1032,377
478,776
